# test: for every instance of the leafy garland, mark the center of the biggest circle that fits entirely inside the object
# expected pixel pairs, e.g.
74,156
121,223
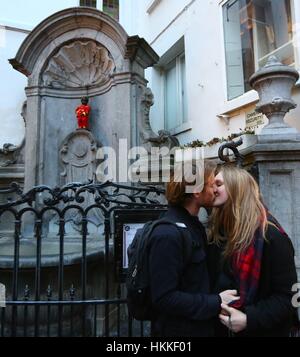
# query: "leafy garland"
213,141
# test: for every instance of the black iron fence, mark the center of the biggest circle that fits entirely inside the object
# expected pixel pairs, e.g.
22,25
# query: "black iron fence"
63,258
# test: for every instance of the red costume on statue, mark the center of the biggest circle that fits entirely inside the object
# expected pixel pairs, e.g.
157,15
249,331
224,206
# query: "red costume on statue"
82,113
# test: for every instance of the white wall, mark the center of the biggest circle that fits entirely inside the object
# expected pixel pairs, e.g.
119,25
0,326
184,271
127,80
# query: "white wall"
11,91
129,19
28,13
169,21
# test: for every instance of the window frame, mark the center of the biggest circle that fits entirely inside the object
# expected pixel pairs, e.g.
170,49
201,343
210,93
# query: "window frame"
99,6
250,96
181,120
151,6
102,8
93,7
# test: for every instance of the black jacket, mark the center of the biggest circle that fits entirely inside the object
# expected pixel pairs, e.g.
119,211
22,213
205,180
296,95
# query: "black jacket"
272,312
180,289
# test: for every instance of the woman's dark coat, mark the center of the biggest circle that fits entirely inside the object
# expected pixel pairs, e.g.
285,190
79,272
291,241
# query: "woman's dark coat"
272,312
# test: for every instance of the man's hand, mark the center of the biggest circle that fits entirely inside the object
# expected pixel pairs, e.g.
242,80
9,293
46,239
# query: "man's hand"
233,319
228,296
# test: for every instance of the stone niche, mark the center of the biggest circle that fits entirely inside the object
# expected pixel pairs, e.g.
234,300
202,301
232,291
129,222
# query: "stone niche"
73,53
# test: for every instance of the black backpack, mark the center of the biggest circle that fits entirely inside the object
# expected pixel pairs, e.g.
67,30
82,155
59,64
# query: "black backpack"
137,279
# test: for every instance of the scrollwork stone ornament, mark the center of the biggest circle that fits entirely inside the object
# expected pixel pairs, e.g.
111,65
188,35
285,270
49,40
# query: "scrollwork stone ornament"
164,139
9,154
78,156
146,104
150,139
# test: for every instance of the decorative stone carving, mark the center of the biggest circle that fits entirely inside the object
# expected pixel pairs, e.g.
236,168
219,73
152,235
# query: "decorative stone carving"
78,154
147,102
24,111
164,138
79,64
9,154
273,83
164,142
85,48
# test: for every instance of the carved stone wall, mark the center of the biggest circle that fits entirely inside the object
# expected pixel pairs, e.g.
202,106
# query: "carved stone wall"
78,157
11,164
74,53
279,181
147,137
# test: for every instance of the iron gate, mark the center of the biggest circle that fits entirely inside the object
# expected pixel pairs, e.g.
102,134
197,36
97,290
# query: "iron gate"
61,258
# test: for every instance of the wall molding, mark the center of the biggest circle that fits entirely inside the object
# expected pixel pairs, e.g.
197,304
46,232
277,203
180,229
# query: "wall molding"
14,29
152,5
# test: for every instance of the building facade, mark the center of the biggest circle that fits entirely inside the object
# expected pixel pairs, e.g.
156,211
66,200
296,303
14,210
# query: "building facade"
208,50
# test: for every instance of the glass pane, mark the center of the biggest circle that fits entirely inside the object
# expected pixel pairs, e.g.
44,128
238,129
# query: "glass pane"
171,97
89,3
234,38
273,25
183,89
111,7
254,29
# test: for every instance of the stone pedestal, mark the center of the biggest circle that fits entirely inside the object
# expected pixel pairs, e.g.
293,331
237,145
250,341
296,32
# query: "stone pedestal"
278,164
277,151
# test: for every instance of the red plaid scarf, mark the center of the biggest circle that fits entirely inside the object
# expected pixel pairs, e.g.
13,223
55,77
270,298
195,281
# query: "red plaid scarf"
247,266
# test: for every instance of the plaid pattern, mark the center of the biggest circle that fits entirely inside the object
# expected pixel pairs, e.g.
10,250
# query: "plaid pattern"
247,266
246,269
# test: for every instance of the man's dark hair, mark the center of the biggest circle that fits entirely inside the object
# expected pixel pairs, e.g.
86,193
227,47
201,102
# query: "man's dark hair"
176,194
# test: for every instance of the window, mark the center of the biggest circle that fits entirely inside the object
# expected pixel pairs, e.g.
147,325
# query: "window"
89,3
253,30
111,7
175,93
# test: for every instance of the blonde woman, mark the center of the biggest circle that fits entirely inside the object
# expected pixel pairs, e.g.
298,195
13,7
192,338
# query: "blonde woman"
250,252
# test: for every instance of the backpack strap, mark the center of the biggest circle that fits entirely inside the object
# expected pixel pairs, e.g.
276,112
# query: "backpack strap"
187,242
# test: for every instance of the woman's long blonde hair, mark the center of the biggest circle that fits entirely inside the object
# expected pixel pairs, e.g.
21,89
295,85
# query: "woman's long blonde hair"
242,213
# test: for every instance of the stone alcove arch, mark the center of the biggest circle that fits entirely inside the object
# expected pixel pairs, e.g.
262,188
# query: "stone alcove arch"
64,26
73,53
79,64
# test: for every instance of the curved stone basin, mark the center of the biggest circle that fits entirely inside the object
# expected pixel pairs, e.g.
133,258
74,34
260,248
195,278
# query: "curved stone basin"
50,250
